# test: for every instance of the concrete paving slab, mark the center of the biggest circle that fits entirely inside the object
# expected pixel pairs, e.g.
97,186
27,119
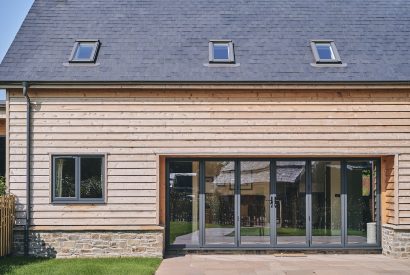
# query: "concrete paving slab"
329,264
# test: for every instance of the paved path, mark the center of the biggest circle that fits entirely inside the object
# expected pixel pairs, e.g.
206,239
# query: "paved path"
291,265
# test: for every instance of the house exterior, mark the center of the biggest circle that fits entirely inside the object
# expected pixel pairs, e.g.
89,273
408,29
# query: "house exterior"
139,128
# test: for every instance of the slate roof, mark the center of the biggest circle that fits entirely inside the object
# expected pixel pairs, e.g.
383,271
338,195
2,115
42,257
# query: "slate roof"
167,40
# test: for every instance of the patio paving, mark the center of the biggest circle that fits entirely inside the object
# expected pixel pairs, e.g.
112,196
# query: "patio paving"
290,264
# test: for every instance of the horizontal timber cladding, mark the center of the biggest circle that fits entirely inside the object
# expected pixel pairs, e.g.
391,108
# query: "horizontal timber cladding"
135,127
388,196
404,189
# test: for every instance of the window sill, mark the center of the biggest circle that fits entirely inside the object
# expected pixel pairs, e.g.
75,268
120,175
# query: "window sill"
328,65
79,202
80,64
222,65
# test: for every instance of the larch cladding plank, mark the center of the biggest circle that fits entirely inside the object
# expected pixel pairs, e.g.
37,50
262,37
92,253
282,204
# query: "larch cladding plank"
135,127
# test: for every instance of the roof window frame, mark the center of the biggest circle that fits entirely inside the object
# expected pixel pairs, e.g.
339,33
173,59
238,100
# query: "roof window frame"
318,60
94,54
231,53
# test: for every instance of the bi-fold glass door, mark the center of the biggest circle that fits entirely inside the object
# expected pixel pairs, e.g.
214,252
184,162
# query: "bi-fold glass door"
290,193
272,203
255,203
237,208
219,219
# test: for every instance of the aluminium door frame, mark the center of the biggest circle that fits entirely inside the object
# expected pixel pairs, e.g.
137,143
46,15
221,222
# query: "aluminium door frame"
272,218
202,204
377,203
307,207
273,236
342,205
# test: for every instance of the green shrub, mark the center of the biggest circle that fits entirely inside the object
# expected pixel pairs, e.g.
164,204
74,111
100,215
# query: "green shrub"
2,185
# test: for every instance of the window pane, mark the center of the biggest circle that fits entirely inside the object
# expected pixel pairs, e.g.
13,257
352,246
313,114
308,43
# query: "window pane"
221,51
84,51
184,202
219,202
91,178
325,51
326,202
64,177
255,206
361,202
291,202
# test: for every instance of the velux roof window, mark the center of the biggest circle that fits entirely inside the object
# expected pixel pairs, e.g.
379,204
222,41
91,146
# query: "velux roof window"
85,51
325,52
221,51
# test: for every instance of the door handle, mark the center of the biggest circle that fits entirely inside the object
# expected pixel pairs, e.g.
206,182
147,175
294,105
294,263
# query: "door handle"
270,201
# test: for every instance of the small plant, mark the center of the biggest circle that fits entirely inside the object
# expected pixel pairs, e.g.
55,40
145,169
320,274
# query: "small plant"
91,188
2,186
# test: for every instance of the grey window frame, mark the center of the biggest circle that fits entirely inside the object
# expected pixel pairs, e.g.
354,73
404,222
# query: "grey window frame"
318,60
77,199
94,54
231,53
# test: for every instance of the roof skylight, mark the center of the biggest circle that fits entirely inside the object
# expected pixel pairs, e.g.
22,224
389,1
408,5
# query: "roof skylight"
221,51
325,52
85,51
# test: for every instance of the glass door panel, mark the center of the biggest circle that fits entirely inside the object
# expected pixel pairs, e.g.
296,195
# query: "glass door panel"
290,202
184,202
361,202
219,203
326,203
255,203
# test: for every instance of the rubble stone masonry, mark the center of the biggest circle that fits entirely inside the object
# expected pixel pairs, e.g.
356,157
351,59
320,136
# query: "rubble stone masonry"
72,244
396,242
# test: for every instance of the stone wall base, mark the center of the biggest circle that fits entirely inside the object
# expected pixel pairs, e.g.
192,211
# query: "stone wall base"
73,244
396,242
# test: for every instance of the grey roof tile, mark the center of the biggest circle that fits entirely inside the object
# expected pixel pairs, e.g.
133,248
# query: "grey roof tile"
167,40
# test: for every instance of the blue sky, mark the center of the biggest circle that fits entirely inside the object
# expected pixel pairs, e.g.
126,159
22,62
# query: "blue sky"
12,14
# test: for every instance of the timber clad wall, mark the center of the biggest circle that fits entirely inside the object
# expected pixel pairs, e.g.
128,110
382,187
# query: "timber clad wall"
404,189
388,196
136,127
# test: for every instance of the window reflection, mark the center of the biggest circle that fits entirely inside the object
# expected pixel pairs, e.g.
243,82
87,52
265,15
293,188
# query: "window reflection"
361,202
291,202
255,194
326,202
219,202
184,202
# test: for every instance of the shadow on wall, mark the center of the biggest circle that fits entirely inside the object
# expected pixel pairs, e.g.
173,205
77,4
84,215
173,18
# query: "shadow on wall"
38,247
100,243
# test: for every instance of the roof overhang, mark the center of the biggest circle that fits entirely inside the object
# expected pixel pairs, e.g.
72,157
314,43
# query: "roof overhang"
245,85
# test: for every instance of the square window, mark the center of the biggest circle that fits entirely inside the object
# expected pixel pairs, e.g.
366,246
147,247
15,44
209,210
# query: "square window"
221,51
325,52
78,179
85,51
